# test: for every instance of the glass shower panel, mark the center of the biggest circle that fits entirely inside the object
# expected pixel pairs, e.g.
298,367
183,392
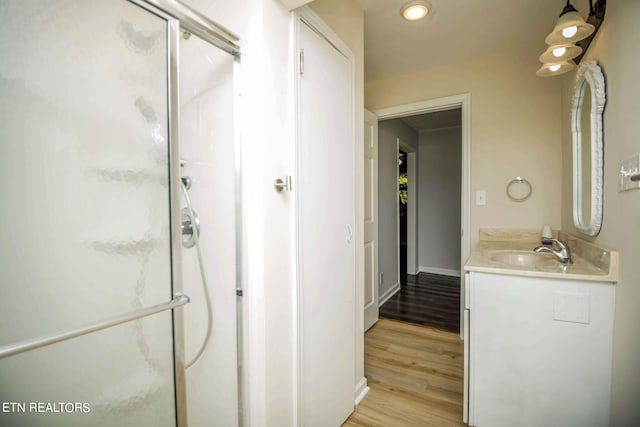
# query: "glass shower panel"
84,212
206,145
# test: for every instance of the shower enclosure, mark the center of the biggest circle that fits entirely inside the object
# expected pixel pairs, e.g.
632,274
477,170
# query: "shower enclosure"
95,328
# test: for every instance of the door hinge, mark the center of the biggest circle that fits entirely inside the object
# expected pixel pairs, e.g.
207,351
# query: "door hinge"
301,62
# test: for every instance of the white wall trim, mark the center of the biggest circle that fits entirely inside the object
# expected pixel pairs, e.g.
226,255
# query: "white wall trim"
399,143
361,390
412,209
294,4
387,295
462,101
412,213
428,106
441,271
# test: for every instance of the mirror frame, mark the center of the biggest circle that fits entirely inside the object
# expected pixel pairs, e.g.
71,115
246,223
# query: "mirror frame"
589,73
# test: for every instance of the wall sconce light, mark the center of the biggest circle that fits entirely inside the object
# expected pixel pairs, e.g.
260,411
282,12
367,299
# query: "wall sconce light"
571,27
560,53
570,38
555,69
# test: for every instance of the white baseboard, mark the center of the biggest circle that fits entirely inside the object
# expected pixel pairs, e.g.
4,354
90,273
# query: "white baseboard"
361,390
442,271
391,292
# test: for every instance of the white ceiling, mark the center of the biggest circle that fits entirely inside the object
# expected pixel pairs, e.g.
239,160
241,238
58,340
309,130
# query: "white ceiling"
454,31
435,120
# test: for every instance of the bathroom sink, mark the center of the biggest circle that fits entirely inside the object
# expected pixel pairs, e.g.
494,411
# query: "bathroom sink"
522,258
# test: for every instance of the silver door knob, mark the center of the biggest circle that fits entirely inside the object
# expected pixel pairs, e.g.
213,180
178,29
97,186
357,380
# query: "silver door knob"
281,185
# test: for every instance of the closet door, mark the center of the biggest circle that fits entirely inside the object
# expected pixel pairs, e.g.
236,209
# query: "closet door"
326,244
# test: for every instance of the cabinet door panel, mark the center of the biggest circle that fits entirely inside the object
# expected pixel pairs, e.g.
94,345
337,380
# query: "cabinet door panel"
529,368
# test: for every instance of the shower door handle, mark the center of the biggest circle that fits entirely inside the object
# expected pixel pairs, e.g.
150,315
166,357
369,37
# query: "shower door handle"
32,344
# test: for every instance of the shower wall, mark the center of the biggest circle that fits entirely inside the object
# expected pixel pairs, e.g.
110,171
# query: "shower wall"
207,146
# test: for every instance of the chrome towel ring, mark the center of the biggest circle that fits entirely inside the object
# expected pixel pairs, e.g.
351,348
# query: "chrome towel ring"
514,193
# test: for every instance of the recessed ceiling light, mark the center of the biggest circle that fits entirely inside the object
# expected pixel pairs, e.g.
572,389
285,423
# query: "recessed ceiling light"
415,10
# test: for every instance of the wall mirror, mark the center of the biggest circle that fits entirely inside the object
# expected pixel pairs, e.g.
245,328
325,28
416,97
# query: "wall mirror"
586,124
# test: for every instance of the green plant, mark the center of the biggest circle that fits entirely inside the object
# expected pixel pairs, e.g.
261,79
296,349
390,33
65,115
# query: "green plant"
402,188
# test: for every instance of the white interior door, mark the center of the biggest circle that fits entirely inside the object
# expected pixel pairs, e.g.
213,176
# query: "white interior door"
370,219
326,217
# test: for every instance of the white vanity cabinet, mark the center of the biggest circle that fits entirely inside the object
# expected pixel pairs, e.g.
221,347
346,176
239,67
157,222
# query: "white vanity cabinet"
538,351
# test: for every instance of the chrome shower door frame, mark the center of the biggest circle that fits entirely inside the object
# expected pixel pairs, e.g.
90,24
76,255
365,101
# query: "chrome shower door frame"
173,107
181,17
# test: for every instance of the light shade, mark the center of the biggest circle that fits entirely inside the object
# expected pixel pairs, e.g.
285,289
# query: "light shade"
570,28
555,69
415,10
560,53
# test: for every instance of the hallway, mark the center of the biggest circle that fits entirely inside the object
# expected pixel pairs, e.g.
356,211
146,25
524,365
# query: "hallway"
415,374
426,299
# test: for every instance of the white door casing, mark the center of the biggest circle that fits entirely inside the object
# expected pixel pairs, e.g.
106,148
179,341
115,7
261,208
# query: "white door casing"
412,213
462,101
325,211
399,143
371,285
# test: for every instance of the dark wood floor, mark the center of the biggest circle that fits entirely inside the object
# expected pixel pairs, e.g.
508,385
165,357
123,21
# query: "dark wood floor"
426,299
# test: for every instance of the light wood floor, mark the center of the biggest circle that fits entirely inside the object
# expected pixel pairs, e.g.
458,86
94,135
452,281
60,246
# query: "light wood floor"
415,374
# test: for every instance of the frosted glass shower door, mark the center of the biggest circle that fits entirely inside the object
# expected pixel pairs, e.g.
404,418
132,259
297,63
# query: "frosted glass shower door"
85,212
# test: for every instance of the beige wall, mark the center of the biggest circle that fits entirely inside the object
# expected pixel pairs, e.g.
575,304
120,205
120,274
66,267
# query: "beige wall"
617,51
515,131
346,19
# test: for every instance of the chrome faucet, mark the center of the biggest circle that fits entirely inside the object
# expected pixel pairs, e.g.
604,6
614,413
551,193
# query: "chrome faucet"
558,248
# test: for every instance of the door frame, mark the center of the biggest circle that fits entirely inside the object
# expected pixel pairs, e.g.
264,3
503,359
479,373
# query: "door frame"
412,208
462,101
399,144
168,12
